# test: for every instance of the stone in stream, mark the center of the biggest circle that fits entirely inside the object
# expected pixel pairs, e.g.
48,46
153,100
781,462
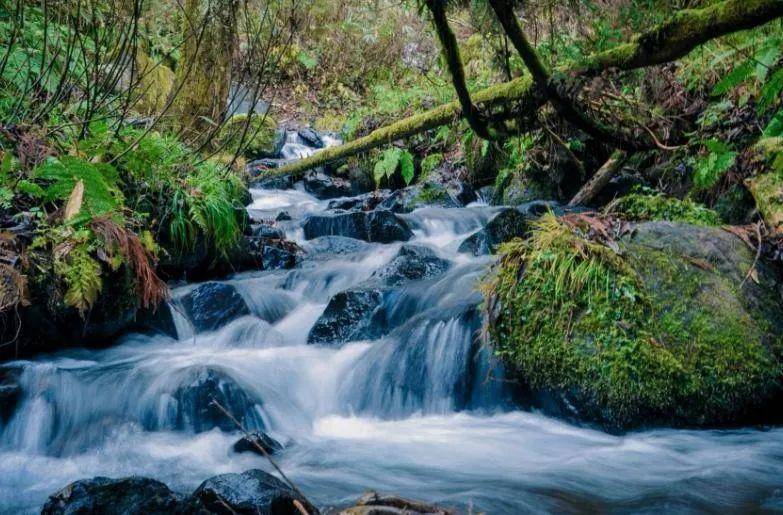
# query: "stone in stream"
276,182
412,263
365,202
267,231
194,403
253,492
257,439
323,186
283,216
354,314
380,226
213,305
311,137
506,225
372,503
106,496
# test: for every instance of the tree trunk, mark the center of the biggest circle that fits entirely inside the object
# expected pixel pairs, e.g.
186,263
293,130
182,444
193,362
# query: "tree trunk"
204,72
600,179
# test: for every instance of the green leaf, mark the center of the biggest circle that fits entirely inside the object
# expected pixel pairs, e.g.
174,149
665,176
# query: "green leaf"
710,168
775,127
406,167
736,77
771,90
307,60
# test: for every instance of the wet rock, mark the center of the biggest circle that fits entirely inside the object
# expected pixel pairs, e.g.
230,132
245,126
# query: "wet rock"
412,262
283,216
195,410
461,193
159,320
10,391
323,186
267,231
213,305
350,315
377,226
277,182
372,503
265,253
255,440
366,202
113,497
311,137
253,492
506,225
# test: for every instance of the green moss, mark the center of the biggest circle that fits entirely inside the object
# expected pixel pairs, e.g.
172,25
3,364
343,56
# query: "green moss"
260,137
767,186
431,194
645,337
645,207
428,164
156,82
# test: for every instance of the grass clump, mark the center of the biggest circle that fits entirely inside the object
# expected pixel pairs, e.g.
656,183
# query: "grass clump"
645,206
626,336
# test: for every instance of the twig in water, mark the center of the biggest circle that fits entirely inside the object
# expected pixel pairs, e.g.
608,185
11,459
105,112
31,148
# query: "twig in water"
299,506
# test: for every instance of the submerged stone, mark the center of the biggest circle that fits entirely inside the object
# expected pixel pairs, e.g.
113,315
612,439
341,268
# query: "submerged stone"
113,497
323,186
350,315
377,226
253,441
412,263
506,225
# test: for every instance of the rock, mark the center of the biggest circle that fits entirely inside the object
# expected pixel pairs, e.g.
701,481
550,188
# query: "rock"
413,197
461,193
311,137
372,503
253,492
675,333
412,262
256,439
350,315
377,226
265,253
323,186
213,305
276,182
10,391
159,320
113,497
261,137
283,216
326,247
267,231
520,188
508,224
366,202
195,410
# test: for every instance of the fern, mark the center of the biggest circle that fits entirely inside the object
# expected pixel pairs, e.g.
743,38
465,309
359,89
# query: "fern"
709,169
391,160
59,176
82,275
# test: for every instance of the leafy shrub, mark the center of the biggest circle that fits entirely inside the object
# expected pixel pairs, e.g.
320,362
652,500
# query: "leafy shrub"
392,160
656,206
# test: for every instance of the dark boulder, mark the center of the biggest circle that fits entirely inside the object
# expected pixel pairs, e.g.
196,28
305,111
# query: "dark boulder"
196,411
377,226
350,315
276,182
412,262
253,492
253,441
106,496
461,192
326,247
10,391
366,202
159,320
311,137
283,216
213,305
323,186
506,225
264,253
267,231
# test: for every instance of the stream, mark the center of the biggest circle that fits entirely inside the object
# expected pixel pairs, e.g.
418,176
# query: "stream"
419,409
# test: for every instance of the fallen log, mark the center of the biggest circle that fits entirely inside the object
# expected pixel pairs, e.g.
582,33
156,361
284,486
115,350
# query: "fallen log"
600,179
670,40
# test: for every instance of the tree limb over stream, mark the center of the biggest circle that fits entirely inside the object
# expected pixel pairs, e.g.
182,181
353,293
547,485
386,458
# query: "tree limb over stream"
669,41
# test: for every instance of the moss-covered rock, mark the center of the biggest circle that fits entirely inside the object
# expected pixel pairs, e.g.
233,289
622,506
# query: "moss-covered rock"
664,326
483,160
261,137
767,187
659,207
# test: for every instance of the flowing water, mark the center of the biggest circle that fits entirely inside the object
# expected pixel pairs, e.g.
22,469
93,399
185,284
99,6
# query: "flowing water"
421,411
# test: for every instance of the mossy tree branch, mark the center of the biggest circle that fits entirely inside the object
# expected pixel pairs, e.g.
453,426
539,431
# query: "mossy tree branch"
672,39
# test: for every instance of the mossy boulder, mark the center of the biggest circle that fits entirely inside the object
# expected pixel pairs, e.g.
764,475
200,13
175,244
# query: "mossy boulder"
659,207
664,325
261,139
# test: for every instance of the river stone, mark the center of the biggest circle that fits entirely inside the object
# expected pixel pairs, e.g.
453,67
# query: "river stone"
380,226
249,443
350,315
213,305
276,182
372,503
323,186
267,231
365,202
506,225
326,247
412,263
311,137
194,403
253,492
106,496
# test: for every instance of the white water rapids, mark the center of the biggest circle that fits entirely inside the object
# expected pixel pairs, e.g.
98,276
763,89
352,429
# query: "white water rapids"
415,412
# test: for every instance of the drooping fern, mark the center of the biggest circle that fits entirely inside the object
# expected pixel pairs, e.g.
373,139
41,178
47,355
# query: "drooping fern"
391,160
82,275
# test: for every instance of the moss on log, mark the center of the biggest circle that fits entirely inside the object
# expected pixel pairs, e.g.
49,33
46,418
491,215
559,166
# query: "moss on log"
672,39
